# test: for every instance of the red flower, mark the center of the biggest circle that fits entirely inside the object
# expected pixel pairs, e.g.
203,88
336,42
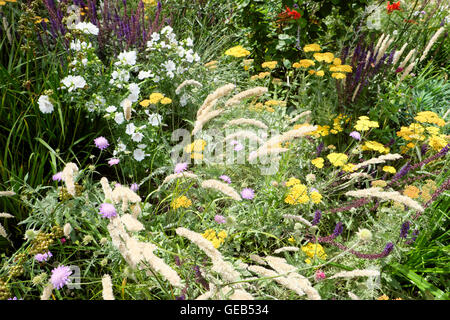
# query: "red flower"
392,7
288,13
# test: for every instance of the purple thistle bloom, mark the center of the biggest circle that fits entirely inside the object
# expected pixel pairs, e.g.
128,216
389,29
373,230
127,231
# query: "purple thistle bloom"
219,219
101,143
248,193
60,276
57,176
134,187
317,216
43,257
355,135
180,167
107,210
225,178
404,230
389,247
113,161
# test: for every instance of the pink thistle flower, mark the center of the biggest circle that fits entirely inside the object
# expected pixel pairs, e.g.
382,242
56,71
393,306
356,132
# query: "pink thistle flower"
355,135
60,276
225,178
113,161
101,143
180,167
107,210
63,240
41,257
248,193
134,187
219,219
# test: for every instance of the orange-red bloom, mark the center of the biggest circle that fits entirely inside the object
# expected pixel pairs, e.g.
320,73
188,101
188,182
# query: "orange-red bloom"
392,7
288,13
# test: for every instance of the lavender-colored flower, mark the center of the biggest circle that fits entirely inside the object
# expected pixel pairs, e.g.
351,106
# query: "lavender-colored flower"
101,143
389,247
219,219
41,257
338,229
248,193
57,176
60,276
107,210
355,135
319,149
180,167
404,230
113,161
317,216
134,187
225,178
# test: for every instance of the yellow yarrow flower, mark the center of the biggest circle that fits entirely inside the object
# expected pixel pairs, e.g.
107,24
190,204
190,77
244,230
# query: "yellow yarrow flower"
155,97
318,162
197,146
269,64
437,142
314,249
412,192
312,47
375,146
328,57
297,195
237,51
316,197
182,201
389,169
337,61
145,103
305,63
320,73
429,117
338,75
349,167
292,181
337,159
166,100
364,124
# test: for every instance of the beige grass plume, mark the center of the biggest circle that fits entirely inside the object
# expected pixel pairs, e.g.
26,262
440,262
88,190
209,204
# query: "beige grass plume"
189,82
356,273
243,134
253,92
217,94
180,175
204,118
398,54
68,177
244,121
222,187
431,42
378,160
107,292
301,115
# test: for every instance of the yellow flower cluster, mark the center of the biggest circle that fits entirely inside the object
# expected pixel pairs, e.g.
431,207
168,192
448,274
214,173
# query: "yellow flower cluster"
154,98
260,75
312,47
182,201
337,159
364,123
320,131
429,117
427,190
304,63
337,123
412,192
298,193
260,107
374,146
269,64
318,162
196,148
237,51
413,132
271,103
389,169
2,3
217,240
312,250
328,57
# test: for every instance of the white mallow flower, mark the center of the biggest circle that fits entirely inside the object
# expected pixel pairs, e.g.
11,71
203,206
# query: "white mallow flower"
189,56
183,100
154,119
155,36
134,92
87,28
167,30
137,137
144,75
170,66
111,109
73,82
45,105
189,42
139,155
130,128
120,75
78,45
119,118
127,58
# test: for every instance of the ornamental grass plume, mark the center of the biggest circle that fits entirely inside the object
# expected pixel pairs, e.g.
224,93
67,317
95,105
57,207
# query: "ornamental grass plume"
286,249
7,193
68,177
131,223
378,160
204,118
298,218
253,92
217,94
289,135
107,291
189,82
265,152
385,195
124,195
173,176
222,187
161,267
356,273
107,191
398,54
243,134
407,58
431,42
47,292
245,121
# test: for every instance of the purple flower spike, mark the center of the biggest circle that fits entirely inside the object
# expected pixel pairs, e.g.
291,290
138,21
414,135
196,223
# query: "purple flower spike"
101,143
338,229
317,216
107,210
60,276
248,193
404,230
